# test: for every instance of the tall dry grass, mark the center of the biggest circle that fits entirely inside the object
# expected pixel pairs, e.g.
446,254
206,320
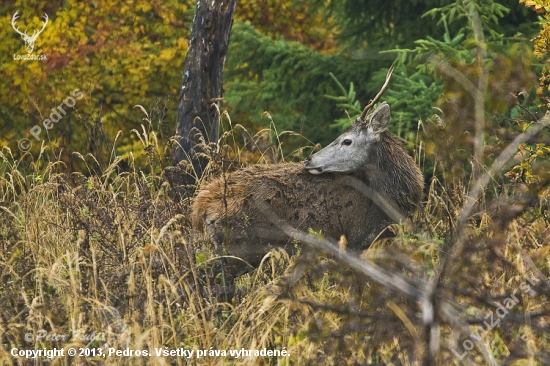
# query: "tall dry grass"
110,261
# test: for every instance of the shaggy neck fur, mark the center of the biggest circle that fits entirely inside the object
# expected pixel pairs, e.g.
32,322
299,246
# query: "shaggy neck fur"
396,174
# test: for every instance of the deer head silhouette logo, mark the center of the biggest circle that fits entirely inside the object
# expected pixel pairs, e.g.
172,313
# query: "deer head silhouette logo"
29,40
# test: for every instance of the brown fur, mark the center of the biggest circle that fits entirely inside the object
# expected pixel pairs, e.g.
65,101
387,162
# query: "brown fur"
324,202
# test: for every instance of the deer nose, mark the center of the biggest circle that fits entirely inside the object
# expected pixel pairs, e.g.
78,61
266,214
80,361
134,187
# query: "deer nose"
306,162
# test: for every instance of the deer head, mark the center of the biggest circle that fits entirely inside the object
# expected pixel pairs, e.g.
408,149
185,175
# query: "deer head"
29,40
352,150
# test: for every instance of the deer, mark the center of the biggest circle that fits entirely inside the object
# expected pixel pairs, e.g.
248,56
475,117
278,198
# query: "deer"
29,40
350,190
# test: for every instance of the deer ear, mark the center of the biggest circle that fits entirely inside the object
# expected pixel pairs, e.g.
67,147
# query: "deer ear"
380,118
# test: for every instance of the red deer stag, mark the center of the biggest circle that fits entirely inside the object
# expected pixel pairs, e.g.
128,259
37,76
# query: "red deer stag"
356,187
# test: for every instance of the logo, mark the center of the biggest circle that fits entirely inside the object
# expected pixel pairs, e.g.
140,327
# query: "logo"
29,40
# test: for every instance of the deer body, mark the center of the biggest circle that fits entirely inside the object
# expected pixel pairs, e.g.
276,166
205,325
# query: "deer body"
356,186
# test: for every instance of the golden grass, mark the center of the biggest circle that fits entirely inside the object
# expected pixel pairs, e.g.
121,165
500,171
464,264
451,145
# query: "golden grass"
113,257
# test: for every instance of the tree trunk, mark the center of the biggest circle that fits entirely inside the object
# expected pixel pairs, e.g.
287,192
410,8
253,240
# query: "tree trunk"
201,90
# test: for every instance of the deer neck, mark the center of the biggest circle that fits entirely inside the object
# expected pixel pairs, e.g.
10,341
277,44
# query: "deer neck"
395,175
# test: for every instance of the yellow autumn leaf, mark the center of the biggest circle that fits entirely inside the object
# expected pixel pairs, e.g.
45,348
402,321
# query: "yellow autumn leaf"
166,54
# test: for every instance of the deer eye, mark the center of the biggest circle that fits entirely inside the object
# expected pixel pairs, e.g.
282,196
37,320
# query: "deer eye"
346,142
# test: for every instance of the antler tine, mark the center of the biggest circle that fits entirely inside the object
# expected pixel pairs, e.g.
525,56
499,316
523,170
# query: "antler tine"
15,16
45,23
13,20
37,32
373,101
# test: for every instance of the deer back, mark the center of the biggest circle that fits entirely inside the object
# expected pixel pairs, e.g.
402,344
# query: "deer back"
356,186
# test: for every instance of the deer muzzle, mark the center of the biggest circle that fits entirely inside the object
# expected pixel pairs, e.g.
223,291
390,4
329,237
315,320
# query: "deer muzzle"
312,169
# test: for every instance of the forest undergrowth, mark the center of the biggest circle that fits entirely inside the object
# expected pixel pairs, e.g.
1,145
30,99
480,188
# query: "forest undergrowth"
110,261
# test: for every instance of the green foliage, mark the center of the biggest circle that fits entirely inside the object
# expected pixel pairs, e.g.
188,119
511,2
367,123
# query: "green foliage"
431,77
412,96
286,79
374,24
455,46
347,102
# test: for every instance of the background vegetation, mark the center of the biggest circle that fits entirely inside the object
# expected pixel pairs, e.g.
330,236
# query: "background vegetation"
93,239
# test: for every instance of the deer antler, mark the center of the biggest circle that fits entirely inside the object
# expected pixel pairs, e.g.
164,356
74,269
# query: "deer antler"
13,20
44,26
36,33
373,101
